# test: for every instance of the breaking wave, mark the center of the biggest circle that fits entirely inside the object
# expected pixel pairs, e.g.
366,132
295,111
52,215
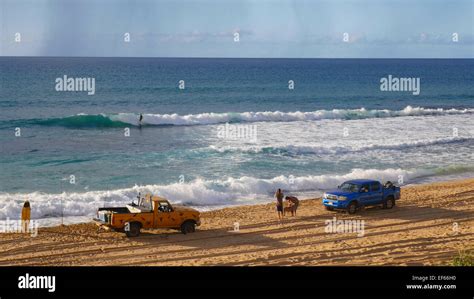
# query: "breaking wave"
320,150
127,119
202,194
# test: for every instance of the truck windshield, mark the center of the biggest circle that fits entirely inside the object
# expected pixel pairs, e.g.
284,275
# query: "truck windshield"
145,203
349,187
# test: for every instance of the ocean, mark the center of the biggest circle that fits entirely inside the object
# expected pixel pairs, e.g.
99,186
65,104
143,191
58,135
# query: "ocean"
234,134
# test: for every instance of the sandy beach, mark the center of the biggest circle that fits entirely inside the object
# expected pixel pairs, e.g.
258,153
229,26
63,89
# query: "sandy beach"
429,225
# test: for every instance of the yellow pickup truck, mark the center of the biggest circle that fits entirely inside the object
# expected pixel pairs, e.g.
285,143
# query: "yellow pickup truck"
149,212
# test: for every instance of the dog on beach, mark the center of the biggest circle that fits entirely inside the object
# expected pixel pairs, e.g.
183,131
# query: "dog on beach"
288,209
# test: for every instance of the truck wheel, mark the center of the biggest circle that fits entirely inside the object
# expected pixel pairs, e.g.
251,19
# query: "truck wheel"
352,208
329,208
188,227
134,230
389,203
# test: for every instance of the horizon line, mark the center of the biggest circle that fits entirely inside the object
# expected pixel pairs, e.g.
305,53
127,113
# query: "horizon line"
198,57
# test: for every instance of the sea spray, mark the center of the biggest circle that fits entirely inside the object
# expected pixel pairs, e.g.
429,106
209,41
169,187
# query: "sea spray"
126,119
198,193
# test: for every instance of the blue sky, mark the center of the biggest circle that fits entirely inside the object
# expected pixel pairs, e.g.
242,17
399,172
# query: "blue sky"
267,28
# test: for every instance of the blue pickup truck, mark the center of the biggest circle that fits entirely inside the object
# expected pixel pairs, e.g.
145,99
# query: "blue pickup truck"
355,194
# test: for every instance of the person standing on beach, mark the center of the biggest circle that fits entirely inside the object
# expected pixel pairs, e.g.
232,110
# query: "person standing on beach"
25,216
279,204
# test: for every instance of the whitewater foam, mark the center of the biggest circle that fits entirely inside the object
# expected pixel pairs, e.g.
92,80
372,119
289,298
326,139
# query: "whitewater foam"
124,119
320,150
202,194
278,116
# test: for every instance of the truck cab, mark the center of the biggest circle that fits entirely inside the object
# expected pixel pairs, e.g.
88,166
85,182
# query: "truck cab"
354,194
150,212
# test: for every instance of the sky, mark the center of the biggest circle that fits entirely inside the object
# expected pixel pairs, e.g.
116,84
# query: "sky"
266,28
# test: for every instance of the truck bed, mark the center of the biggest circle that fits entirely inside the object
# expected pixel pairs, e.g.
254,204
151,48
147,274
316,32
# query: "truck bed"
119,210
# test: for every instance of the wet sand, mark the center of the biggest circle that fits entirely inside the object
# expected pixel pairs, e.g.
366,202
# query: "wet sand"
428,226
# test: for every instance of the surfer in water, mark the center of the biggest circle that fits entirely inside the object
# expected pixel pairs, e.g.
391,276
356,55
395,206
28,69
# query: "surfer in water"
140,120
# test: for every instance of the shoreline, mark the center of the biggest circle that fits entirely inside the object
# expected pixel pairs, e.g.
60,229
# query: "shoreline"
71,220
430,223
